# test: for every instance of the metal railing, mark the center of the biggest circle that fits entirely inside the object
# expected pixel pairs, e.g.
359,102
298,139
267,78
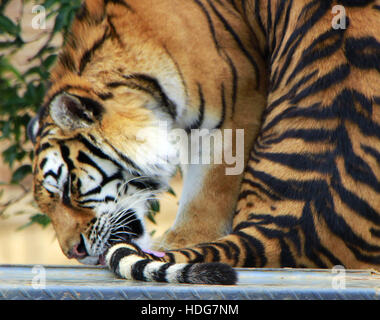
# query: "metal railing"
28,282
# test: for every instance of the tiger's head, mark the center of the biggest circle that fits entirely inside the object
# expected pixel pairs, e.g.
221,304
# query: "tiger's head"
100,152
95,175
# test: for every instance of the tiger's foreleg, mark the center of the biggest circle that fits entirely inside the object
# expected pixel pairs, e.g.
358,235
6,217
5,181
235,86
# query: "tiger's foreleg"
210,190
206,207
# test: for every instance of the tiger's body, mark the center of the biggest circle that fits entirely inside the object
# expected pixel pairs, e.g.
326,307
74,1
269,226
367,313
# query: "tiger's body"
310,195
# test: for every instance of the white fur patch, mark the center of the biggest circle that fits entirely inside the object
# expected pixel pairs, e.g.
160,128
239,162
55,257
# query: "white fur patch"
172,272
151,268
126,264
112,250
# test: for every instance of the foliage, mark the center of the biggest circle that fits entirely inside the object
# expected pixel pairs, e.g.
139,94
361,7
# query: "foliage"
22,89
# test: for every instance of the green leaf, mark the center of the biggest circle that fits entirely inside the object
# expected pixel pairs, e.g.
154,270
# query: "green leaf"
21,173
60,20
5,127
49,3
151,214
34,94
171,191
50,61
10,154
39,218
8,26
5,65
155,205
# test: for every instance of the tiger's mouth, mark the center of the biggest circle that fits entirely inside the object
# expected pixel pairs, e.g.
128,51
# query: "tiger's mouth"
123,227
82,255
86,258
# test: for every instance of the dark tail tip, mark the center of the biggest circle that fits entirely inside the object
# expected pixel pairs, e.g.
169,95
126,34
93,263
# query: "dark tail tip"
211,273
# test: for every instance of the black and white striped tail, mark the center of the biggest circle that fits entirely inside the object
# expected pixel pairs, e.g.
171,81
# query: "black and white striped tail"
129,262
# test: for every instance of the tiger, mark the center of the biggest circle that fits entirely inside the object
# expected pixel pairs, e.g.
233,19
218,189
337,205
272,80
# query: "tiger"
302,78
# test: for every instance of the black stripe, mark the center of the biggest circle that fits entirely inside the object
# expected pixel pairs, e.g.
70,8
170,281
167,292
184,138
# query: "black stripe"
43,147
324,46
82,203
246,193
269,21
235,80
240,44
284,29
269,193
278,15
375,232
185,253
224,108
84,158
232,2
178,70
105,96
137,271
334,77
154,87
224,246
210,24
65,152
201,112
210,249
256,249
371,151
128,161
235,251
121,3
43,163
198,256
249,254
149,85
258,17
333,259
373,259
117,256
170,256
67,61
145,183
50,173
286,256
66,199
295,39
89,53
95,150
160,274
114,33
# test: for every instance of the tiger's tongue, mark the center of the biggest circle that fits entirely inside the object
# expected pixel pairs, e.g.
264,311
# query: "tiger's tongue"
158,254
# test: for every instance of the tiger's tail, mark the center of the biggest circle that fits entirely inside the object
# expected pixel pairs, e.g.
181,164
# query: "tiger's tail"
128,261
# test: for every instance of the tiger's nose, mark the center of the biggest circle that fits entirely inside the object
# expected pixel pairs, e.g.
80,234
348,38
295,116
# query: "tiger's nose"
78,251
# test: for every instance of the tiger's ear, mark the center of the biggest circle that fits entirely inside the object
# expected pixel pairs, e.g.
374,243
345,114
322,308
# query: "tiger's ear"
32,129
72,112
